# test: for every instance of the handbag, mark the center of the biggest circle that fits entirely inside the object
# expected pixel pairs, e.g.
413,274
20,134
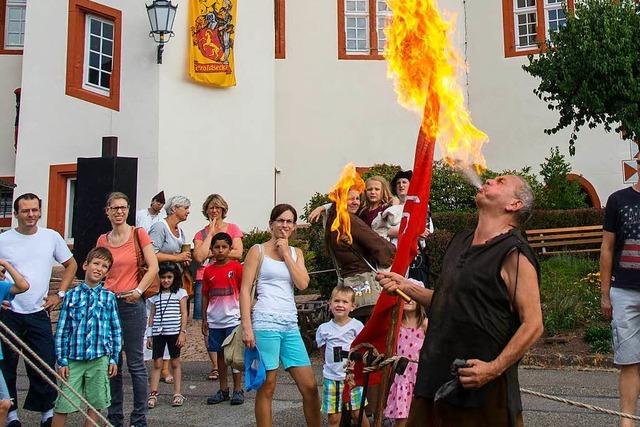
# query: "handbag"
154,287
233,346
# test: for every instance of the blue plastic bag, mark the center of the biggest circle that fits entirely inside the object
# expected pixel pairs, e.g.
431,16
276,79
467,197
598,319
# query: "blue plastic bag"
254,370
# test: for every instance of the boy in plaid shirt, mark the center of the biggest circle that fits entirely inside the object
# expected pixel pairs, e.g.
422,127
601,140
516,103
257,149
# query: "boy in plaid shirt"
88,339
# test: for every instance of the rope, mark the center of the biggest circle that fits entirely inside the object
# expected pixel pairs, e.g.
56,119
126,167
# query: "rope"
51,371
380,362
580,404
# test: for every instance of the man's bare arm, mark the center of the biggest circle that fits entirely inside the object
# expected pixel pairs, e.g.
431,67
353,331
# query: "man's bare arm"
606,268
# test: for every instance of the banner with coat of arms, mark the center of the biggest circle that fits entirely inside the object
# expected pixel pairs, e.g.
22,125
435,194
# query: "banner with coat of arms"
211,59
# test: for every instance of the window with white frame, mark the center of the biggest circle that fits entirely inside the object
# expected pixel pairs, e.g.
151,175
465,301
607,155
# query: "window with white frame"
14,24
356,16
98,61
71,197
526,23
383,16
555,15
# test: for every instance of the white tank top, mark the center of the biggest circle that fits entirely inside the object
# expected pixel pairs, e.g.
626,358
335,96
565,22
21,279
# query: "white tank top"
275,307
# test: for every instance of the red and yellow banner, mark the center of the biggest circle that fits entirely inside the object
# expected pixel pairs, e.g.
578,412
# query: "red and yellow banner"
211,59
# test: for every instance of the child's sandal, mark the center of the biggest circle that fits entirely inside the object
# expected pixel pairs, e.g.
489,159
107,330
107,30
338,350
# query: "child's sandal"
153,400
177,400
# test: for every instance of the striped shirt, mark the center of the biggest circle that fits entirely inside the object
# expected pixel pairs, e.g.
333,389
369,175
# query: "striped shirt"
88,326
166,318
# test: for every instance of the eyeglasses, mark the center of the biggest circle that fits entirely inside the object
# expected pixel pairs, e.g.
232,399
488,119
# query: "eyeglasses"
118,208
285,221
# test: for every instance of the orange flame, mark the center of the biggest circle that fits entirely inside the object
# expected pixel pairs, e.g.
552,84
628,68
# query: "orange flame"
423,62
349,180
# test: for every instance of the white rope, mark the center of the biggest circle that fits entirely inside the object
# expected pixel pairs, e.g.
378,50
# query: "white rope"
580,404
52,371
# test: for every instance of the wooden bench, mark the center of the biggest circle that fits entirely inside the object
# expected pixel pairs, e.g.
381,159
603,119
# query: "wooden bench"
569,240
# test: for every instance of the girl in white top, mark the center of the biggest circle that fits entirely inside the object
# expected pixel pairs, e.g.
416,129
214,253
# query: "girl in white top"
274,329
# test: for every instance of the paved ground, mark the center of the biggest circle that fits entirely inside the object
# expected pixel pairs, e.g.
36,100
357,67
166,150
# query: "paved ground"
594,387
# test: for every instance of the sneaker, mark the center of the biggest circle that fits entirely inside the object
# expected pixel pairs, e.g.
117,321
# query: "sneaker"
238,397
47,422
219,397
14,423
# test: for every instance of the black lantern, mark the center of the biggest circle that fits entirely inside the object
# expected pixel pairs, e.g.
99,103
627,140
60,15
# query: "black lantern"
161,15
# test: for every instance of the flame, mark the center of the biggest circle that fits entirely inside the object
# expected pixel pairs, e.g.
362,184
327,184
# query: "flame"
424,64
349,179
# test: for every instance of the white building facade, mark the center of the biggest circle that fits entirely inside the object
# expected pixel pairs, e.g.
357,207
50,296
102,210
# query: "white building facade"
312,95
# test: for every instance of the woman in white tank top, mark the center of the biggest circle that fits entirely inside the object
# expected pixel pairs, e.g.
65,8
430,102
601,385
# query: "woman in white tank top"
272,323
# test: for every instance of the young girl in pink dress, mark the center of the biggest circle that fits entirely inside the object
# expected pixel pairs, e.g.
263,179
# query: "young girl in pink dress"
410,338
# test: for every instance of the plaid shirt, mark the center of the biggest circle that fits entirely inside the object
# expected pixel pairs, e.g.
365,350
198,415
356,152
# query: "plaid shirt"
88,326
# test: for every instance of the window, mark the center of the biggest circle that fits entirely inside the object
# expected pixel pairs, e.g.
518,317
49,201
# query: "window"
98,58
279,21
361,26
12,21
61,199
93,53
528,23
71,196
6,201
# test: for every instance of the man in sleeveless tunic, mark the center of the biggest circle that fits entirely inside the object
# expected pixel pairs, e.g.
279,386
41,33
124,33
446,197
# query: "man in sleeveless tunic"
620,290
485,309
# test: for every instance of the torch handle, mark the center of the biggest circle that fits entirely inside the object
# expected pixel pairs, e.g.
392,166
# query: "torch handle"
404,296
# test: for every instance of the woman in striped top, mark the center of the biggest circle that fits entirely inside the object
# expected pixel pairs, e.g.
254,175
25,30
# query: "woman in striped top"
168,322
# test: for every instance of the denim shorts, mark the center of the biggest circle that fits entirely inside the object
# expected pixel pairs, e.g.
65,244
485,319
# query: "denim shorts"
217,337
281,346
625,326
4,391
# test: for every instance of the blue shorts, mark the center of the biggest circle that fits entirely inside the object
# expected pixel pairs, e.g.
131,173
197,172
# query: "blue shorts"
217,337
4,391
281,346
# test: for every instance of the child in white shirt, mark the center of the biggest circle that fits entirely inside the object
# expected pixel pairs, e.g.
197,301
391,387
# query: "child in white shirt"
339,332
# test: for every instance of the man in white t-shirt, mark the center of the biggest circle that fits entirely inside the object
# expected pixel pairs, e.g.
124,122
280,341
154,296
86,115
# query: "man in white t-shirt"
145,218
32,251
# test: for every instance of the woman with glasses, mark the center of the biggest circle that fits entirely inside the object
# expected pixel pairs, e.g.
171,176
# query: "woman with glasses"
215,210
272,323
122,279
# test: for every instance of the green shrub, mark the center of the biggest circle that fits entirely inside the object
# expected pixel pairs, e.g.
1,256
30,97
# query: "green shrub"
558,192
384,170
436,245
599,338
457,221
569,294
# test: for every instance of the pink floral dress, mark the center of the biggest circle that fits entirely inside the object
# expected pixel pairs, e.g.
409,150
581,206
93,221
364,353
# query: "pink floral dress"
401,392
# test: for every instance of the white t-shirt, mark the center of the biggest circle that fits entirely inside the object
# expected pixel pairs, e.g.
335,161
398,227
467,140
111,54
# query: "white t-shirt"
145,220
331,335
166,319
33,256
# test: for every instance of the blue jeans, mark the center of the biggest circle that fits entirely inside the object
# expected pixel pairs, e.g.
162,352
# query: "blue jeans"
197,300
133,320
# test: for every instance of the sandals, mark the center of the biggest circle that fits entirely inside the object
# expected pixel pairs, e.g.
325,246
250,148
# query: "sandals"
213,375
177,400
153,400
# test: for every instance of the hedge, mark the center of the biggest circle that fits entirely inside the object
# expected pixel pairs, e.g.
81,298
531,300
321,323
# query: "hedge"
458,221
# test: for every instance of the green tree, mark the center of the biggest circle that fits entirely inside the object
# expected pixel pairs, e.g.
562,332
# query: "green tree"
590,72
558,192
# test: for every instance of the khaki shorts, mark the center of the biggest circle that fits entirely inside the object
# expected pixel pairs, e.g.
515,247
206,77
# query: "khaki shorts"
90,378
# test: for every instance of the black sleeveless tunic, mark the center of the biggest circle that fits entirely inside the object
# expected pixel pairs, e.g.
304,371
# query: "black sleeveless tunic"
471,318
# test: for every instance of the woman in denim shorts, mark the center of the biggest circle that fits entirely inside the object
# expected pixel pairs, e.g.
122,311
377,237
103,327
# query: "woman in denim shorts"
272,324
